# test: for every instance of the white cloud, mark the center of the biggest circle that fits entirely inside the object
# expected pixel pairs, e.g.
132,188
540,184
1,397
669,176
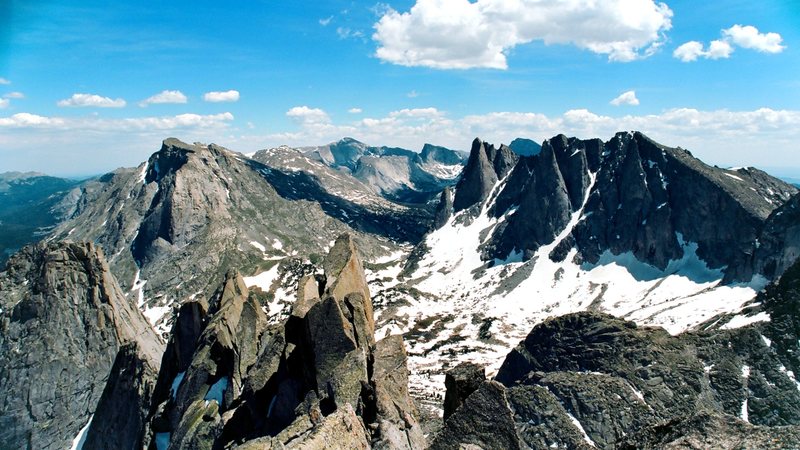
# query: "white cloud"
164,97
626,98
719,136
417,113
459,34
4,81
346,33
306,116
324,22
91,100
742,36
4,102
689,51
412,94
94,123
225,96
27,120
355,110
749,37
692,50
15,95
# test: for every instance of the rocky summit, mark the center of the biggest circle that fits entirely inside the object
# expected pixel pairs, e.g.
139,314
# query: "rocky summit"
229,380
573,294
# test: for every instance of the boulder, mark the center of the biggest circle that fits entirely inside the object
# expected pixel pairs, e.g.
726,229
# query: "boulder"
460,382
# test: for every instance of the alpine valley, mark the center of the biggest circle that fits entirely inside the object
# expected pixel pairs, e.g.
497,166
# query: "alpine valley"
575,294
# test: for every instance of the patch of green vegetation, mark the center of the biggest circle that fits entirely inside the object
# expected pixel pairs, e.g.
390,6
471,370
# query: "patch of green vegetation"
26,209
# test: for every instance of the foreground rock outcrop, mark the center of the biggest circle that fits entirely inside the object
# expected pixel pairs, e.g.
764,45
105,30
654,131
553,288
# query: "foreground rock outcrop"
319,380
63,320
592,380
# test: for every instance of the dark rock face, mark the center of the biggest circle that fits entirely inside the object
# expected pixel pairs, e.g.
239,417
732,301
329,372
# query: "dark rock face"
486,165
318,380
120,418
484,421
633,195
595,378
63,320
709,430
460,382
525,147
778,246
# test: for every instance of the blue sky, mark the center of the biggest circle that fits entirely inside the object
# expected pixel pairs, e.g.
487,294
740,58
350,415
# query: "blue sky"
721,78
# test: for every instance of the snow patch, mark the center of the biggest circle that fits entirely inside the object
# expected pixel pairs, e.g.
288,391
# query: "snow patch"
744,415
733,176
216,391
143,173
767,341
741,320
80,439
258,246
580,428
162,441
176,383
264,279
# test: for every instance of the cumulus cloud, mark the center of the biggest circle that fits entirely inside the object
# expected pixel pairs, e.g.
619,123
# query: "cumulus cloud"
306,116
626,98
91,100
27,120
459,34
742,36
749,37
224,96
355,110
4,81
4,102
15,95
164,97
717,136
180,121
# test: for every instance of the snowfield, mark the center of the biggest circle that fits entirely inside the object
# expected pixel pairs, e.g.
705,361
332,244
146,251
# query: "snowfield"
455,307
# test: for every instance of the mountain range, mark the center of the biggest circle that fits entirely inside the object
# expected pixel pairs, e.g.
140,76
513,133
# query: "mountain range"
647,300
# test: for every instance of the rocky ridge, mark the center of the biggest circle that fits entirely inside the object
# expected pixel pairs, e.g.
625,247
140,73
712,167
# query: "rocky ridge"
192,211
63,319
635,196
397,174
589,380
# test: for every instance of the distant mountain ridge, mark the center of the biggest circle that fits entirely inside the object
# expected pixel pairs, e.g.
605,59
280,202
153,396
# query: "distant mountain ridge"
398,174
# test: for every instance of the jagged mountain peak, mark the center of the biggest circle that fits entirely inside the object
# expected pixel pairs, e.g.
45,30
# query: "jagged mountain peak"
635,196
485,166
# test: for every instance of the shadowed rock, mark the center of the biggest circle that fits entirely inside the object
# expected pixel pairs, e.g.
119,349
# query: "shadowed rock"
460,382
120,418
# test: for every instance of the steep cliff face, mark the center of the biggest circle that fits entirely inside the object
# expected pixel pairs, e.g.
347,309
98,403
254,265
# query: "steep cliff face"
64,318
